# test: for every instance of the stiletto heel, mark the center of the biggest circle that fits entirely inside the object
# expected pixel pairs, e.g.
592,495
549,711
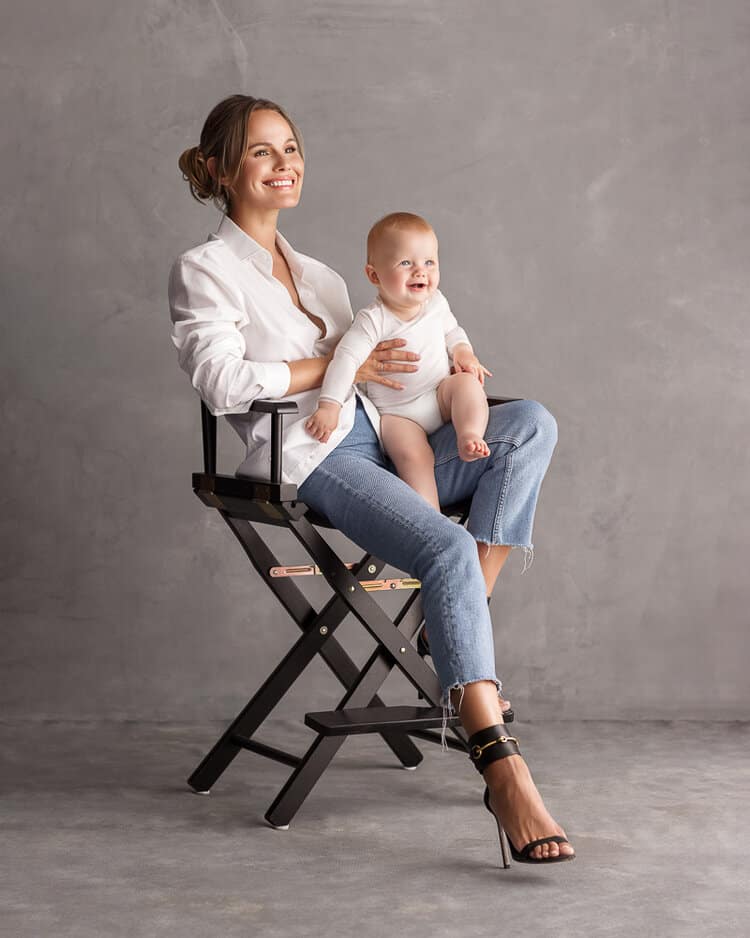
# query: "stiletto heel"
486,747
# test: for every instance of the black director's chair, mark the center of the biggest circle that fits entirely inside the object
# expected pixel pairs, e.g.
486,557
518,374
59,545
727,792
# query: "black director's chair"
246,504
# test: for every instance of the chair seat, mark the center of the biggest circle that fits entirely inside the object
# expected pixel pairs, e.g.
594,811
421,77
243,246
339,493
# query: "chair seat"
256,501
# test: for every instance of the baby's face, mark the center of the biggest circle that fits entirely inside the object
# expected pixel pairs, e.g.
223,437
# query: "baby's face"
404,266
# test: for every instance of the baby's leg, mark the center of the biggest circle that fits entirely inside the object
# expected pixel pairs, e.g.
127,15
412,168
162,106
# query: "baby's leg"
462,401
406,443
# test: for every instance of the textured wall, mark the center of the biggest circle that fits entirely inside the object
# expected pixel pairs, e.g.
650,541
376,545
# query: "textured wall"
585,166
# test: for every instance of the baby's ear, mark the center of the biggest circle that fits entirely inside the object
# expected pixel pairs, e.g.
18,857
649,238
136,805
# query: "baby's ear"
371,274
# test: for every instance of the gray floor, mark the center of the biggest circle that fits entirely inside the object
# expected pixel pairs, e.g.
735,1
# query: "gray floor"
101,838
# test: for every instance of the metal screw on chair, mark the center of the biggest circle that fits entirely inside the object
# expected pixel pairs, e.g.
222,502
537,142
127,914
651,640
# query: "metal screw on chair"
372,568
402,649
324,630
351,589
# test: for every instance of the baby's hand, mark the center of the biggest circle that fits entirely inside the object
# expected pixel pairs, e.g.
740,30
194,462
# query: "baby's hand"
324,421
465,360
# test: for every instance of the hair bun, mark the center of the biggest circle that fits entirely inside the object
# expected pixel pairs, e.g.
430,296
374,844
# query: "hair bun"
196,174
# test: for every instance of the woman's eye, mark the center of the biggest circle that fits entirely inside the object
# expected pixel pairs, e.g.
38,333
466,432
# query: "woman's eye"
260,153
291,149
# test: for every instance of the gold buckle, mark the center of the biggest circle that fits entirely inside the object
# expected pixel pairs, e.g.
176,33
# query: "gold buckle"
476,751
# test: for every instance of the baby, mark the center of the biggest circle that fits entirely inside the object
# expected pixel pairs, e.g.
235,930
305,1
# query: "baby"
402,262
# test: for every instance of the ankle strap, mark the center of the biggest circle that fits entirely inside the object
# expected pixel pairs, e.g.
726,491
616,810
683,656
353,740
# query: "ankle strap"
491,744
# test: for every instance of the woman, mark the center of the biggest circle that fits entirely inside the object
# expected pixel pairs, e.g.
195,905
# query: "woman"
254,318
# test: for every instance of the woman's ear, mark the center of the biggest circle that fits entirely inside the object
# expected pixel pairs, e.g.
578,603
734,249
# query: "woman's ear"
211,167
372,275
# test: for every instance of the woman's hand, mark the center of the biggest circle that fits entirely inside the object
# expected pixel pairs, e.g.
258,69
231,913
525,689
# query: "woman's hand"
465,360
324,421
383,360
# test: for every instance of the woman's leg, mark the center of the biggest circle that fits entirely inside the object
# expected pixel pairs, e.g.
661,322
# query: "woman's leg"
381,513
504,489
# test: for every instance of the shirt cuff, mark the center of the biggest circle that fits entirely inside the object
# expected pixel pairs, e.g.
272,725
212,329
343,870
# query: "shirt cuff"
275,379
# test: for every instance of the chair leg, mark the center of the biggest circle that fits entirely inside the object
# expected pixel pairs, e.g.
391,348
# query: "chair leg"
295,603
286,673
324,748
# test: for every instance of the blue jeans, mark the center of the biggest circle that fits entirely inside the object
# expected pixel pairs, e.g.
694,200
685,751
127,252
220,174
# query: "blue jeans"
356,488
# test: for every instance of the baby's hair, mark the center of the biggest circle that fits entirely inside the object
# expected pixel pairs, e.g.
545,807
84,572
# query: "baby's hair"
396,221
224,136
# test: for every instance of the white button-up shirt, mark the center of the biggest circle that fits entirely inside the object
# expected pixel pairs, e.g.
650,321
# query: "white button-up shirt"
235,328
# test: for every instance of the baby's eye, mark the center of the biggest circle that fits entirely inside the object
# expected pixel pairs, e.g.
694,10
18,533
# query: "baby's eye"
404,263
430,262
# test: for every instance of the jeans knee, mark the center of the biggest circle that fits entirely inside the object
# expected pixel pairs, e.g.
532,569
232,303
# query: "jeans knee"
460,547
542,421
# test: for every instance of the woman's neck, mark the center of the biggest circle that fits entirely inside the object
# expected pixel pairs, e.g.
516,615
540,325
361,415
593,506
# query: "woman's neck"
260,227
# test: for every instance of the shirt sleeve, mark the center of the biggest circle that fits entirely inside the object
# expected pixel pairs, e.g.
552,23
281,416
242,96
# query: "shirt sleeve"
453,332
351,352
211,349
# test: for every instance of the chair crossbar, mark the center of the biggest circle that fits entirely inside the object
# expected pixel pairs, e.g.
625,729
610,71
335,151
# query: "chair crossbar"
270,752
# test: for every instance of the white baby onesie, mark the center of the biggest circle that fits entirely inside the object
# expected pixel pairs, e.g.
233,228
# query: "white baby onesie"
433,333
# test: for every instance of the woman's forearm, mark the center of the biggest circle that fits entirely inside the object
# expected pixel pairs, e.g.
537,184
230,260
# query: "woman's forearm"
307,373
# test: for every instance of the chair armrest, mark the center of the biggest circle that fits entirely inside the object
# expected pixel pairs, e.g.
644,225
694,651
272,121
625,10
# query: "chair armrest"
276,409
491,401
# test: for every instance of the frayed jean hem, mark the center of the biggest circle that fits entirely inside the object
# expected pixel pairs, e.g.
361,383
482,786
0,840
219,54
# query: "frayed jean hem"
528,552
447,704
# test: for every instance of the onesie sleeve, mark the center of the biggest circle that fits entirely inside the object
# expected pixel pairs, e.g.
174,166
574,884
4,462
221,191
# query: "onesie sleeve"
351,352
211,348
451,329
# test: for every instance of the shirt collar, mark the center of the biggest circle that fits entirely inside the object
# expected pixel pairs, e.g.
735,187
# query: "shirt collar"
246,248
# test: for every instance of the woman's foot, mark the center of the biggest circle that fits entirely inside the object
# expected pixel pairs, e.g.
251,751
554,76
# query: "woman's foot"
471,447
515,800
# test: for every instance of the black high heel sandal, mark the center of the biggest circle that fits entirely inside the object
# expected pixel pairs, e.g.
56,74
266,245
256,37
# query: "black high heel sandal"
486,747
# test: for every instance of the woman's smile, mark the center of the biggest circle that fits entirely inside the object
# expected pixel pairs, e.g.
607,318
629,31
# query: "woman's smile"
284,183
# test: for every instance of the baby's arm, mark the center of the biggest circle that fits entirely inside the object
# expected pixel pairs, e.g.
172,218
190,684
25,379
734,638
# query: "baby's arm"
458,345
351,353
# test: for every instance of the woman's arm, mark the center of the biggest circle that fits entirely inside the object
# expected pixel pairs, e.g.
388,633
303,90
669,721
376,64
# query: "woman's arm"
307,373
211,349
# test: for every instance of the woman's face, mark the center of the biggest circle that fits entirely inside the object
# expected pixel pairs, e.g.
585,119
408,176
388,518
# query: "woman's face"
271,175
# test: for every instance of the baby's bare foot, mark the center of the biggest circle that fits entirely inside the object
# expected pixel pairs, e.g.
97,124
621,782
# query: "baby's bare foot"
471,447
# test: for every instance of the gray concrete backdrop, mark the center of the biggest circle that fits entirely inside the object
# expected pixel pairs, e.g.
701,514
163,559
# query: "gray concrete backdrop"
585,165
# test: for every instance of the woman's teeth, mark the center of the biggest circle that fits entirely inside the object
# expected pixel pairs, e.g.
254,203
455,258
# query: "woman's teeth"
280,183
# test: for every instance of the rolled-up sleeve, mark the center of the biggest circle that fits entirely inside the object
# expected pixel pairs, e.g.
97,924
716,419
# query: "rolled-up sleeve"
206,319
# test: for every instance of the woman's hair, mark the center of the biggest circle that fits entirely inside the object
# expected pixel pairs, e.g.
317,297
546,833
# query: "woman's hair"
396,221
224,136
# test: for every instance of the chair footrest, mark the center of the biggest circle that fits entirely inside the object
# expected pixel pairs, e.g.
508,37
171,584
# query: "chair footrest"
377,720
